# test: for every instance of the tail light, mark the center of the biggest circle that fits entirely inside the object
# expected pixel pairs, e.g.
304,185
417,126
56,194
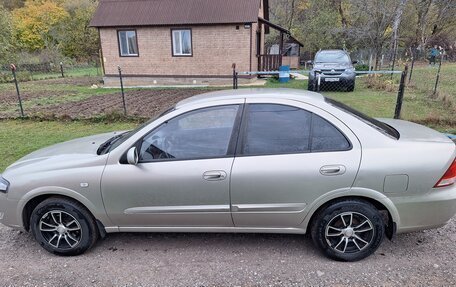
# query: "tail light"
449,177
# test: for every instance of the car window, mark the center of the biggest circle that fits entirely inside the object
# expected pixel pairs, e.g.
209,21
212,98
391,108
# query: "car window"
273,129
203,133
326,137
332,57
279,129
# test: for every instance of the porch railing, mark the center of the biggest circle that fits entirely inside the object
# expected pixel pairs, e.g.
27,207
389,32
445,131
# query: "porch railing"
269,62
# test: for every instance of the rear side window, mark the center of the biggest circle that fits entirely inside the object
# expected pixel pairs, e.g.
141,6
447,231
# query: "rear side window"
326,137
279,129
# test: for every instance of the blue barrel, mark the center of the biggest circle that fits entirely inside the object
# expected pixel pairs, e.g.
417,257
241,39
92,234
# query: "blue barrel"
284,74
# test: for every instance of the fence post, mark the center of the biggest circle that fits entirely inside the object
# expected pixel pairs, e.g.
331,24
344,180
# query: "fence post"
235,77
61,69
317,81
13,70
413,53
122,89
438,76
400,94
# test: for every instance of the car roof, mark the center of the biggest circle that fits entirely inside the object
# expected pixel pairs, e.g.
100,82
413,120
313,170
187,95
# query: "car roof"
332,51
289,94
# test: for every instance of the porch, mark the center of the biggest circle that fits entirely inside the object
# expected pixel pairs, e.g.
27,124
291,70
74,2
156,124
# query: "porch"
287,53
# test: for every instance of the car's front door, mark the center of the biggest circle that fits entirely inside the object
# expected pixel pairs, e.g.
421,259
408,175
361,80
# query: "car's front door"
290,154
183,175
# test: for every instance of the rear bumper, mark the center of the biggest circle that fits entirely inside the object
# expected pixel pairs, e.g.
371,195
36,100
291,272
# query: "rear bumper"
427,211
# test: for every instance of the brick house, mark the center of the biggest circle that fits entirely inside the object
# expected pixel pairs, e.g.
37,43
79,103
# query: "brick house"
160,42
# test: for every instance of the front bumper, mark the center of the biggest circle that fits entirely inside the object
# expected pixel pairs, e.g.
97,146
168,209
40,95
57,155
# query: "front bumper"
344,78
431,210
8,215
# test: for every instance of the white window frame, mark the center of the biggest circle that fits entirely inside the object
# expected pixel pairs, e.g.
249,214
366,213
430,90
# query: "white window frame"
127,53
175,49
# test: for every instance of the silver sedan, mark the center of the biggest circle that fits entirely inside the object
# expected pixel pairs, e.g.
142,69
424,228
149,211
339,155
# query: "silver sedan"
272,161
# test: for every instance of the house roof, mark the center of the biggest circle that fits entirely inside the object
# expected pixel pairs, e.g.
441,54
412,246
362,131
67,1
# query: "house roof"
118,13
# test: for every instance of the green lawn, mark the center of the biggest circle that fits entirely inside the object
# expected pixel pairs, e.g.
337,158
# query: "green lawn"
18,138
68,72
420,105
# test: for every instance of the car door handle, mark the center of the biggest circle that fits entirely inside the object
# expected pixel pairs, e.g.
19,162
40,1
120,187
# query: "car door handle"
332,170
214,175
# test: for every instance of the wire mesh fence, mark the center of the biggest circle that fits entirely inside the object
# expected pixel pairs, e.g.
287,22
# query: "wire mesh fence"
48,70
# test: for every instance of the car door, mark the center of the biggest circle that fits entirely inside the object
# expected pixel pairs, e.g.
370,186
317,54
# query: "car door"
289,154
182,178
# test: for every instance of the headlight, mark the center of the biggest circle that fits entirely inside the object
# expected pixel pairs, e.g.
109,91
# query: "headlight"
4,184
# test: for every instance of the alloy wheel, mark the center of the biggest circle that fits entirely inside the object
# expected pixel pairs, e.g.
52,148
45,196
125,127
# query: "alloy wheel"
349,232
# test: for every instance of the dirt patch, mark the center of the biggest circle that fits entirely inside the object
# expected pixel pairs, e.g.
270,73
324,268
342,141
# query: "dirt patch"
140,103
417,259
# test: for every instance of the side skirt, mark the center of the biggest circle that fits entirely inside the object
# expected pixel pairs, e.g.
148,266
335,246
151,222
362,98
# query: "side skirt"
114,229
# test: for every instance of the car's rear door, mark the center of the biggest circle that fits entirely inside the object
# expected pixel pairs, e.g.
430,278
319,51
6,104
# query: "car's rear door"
289,154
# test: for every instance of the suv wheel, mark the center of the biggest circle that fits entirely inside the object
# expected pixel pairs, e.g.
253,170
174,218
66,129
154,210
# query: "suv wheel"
348,230
310,85
63,227
351,86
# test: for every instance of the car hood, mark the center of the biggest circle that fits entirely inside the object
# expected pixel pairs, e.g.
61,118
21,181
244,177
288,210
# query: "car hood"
76,150
319,66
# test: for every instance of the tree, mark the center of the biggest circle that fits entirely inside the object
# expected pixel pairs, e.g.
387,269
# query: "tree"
12,4
6,35
78,40
33,23
371,22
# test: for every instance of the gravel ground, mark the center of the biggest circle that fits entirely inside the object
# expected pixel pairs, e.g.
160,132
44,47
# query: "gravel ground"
418,259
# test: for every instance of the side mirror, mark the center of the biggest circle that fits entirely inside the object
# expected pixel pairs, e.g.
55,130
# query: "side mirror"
309,62
355,62
132,156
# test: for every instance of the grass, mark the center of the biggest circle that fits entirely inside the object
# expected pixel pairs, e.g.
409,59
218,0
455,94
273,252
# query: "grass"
68,72
420,105
20,137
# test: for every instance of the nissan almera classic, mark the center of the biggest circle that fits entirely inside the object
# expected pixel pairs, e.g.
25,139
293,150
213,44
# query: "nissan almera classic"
266,161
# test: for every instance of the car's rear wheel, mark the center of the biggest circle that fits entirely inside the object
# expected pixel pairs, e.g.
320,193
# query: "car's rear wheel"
63,226
348,230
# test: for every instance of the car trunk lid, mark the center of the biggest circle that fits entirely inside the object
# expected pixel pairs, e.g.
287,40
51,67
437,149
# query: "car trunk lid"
414,132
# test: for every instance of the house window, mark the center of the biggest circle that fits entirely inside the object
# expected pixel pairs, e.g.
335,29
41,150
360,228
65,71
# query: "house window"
128,43
182,42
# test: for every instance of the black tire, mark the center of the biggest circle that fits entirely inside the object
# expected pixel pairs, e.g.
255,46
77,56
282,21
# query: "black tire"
74,238
351,86
310,86
343,242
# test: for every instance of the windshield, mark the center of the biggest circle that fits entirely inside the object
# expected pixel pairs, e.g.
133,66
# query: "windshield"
117,140
332,57
376,124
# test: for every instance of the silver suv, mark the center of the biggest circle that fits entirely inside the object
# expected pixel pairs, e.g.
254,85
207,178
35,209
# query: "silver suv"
333,69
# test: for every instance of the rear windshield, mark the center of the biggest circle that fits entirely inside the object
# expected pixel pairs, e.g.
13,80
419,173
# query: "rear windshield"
332,57
376,124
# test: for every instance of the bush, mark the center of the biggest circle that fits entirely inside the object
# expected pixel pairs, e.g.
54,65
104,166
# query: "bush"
362,67
22,76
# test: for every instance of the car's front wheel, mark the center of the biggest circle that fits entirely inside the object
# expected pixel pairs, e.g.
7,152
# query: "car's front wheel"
63,226
348,230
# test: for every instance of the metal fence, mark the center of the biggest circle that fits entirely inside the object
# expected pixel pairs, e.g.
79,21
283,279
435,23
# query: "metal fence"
337,80
48,70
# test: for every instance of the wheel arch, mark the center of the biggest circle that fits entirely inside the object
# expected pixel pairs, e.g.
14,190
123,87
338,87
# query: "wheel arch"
28,204
383,204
